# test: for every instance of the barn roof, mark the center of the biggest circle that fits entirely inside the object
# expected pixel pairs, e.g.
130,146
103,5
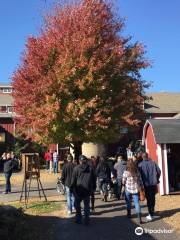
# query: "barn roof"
165,130
5,85
163,102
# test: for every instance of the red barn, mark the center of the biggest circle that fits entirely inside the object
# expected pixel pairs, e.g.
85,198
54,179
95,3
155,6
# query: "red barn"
7,125
162,142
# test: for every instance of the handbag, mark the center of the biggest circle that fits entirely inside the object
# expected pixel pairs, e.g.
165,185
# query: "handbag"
141,195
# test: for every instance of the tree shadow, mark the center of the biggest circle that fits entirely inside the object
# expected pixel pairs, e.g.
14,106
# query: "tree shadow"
101,228
168,213
108,227
27,227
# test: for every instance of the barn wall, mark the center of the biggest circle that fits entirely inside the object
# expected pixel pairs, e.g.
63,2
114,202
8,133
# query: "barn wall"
157,153
7,126
151,146
53,147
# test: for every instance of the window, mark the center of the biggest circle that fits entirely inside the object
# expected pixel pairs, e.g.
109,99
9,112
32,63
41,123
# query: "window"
2,137
7,90
10,109
3,109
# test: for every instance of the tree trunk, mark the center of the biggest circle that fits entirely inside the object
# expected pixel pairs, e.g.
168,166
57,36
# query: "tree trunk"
77,150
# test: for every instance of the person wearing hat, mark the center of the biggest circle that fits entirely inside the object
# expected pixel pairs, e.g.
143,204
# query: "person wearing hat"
82,185
66,177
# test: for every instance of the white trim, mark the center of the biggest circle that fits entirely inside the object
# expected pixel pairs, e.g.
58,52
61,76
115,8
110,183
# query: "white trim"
147,150
159,154
162,117
57,148
7,90
166,169
144,132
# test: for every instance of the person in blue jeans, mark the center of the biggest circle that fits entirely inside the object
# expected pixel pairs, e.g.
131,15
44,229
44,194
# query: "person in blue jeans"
83,183
55,161
133,183
66,178
150,173
8,168
70,200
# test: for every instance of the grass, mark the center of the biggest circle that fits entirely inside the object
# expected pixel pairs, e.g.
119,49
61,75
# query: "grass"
37,207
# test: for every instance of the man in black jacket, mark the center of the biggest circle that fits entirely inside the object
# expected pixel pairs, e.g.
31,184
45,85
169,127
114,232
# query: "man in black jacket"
150,174
120,167
8,168
83,183
66,178
103,173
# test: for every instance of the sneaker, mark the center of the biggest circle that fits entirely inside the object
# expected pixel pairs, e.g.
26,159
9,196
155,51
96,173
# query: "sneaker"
149,217
69,212
4,192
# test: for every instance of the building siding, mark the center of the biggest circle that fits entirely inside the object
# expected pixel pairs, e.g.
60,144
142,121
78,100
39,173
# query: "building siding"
157,153
151,145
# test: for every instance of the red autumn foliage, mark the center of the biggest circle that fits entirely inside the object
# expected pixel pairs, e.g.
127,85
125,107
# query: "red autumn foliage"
79,79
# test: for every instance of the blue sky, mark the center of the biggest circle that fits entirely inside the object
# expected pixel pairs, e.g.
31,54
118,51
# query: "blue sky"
154,23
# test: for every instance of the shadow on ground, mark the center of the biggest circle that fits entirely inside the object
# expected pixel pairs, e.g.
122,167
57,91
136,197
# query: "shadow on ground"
28,227
104,225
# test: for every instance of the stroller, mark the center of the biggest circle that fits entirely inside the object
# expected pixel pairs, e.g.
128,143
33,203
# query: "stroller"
60,187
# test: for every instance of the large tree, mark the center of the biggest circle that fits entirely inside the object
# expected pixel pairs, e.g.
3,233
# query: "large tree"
79,80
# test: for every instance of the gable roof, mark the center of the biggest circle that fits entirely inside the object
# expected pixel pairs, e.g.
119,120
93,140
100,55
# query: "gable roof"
165,130
163,102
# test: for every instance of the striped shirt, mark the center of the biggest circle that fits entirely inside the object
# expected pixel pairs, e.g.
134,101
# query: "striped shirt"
55,157
132,183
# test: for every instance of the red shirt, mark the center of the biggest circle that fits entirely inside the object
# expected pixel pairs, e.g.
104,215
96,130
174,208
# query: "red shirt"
48,156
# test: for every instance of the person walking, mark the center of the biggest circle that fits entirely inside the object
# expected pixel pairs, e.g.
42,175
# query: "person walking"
82,185
66,178
103,173
55,161
120,167
92,163
48,158
150,174
133,184
8,168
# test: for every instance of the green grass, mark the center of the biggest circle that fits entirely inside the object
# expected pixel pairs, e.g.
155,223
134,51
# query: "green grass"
39,207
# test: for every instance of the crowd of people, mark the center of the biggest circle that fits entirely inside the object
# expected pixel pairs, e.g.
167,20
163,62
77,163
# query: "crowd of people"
122,177
125,178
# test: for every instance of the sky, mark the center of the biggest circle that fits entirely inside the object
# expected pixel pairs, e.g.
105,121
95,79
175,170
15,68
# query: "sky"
155,23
